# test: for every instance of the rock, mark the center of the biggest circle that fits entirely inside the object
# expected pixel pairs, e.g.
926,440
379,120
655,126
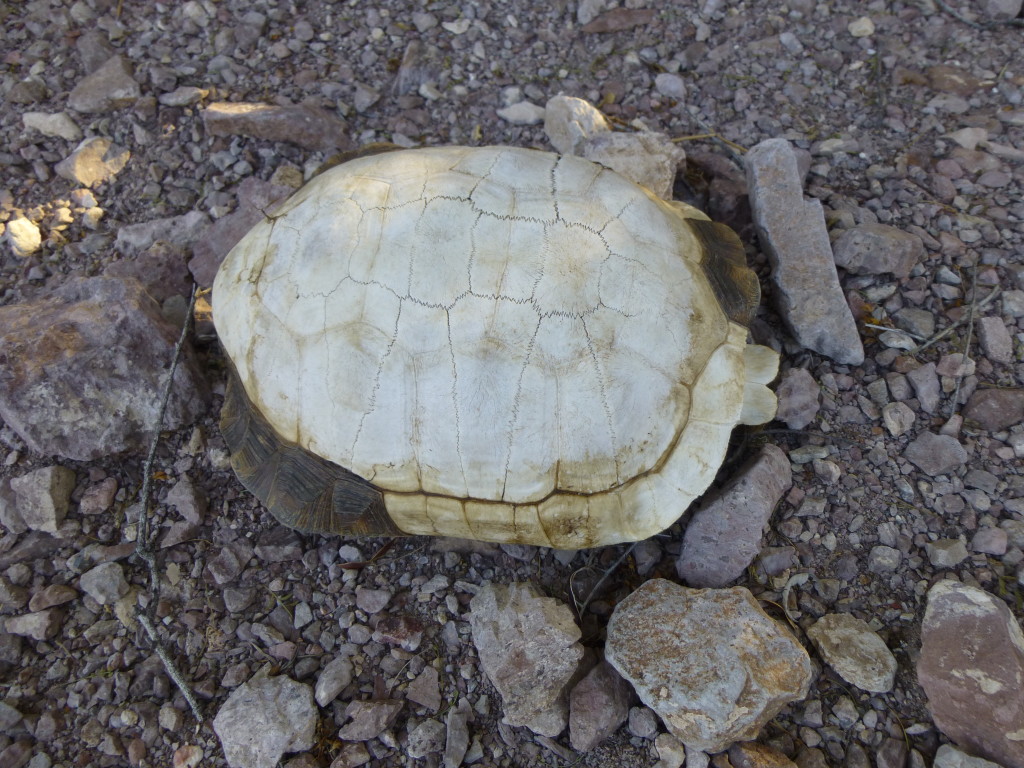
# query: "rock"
161,267
457,734
1001,10
23,236
990,541
529,649
182,230
55,124
93,162
425,739
15,596
619,19
995,409
946,553
99,497
372,601
51,596
643,722
370,718
793,233
17,754
852,649
935,454
925,382
9,717
186,498
43,497
105,583
724,535
799,398
598,705
309,127
862,27
672,754
425,689
334,678
83,370
972,670
264,719
671,85
883,559
898,418
710,662
401,630
748,754
256,199
649,159
351,755
41,625
995,340
110,87
522,113
951,757
875,249
569,122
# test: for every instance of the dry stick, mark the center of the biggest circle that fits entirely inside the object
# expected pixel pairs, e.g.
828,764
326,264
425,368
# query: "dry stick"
142,544
967,341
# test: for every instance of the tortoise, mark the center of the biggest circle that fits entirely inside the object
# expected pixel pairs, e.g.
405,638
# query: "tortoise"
493,343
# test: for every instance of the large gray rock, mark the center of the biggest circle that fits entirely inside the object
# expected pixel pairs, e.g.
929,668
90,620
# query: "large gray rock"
82,371
529,648
93,161
851,648
996,408
935,454
972,670
724,535
569,122
710,662
793,234
264,719
874,249
43,497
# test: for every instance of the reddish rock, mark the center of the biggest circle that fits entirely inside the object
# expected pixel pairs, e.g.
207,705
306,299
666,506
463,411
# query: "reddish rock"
972,670
996,409
309,127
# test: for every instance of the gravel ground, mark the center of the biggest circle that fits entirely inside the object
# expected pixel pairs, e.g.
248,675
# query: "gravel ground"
872,101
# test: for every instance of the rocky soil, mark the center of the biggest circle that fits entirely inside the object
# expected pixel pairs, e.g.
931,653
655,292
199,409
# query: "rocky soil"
124,155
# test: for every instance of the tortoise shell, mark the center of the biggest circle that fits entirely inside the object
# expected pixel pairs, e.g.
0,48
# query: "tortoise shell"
493,343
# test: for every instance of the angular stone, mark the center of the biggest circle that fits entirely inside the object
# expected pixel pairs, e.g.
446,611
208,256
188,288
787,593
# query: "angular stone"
457,734
370,718
105,583
401,630
724,535
51,596
82,370
94,161
951,757
793,233
41,625
972,670
935,454
749,754
898,418
182,230
649,159
799,398
851,648
265,718
598,705
925,382
43,496
529,649
710,662
995,409
425,739
995,339
186,498
569,122
372,601
110,87
946,553
309,127
333,680
522,113
55,124
876,249
425,689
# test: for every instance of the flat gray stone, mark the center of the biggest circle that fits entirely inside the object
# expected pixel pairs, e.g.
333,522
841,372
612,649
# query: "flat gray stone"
93,162
110,87
935,454
43,497
264,719
724,535
105,583
793,233
799,398
309,127
598,705
875,249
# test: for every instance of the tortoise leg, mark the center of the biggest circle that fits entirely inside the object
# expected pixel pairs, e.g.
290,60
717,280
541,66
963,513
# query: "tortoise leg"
303,491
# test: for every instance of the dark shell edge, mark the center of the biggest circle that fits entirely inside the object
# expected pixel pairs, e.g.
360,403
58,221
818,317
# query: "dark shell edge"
725,265
302,490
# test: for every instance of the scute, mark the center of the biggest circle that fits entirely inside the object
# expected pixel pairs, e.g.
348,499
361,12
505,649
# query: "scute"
504,343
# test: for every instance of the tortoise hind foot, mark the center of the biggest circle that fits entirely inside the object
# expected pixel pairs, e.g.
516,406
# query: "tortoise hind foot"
302,490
